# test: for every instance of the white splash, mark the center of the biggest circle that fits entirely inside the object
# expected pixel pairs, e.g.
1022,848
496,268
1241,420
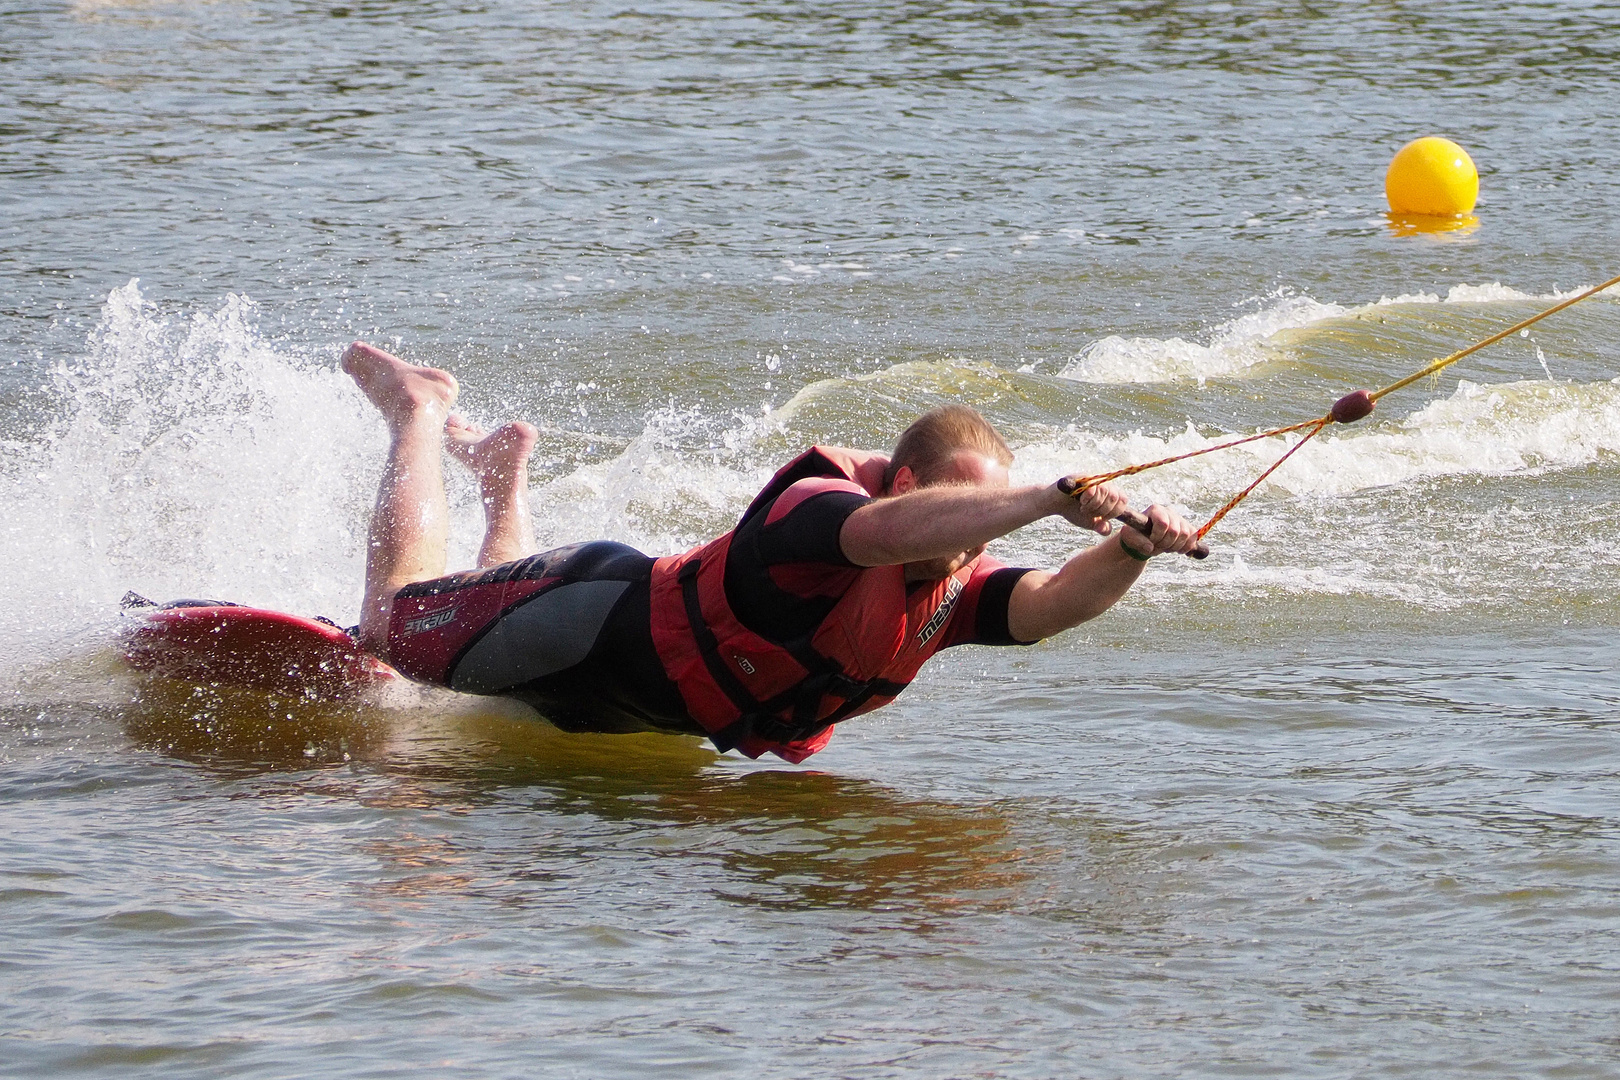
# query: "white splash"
187,458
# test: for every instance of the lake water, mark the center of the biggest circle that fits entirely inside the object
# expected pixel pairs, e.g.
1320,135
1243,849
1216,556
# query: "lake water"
1343,800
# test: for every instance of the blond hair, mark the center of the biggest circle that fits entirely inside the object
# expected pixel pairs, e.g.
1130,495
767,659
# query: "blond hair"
935,437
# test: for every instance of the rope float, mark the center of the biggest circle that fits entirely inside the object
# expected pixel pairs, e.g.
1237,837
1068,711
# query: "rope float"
1352,407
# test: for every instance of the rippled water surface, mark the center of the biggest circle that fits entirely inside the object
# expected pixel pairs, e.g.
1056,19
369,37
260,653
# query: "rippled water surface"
1340,801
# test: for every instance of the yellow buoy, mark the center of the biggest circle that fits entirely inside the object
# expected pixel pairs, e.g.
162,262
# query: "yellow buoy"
1431,176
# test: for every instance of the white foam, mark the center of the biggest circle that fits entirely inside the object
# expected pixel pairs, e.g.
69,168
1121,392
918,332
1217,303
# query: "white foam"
1490,293
1233,346
1240,344
1305,531
1478,431
1509,428
664,493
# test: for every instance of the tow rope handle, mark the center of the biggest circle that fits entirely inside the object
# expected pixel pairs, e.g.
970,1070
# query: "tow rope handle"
1069,485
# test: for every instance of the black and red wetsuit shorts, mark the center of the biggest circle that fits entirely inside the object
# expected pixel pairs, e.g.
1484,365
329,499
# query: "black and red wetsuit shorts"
568,631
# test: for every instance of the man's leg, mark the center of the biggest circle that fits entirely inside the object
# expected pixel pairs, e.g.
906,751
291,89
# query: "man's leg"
501,463
410,524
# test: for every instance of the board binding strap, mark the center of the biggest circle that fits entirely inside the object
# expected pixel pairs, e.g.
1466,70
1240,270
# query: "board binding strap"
217,643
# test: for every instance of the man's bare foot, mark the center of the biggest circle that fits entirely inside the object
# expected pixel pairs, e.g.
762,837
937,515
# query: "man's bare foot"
400,391
501,463
496,459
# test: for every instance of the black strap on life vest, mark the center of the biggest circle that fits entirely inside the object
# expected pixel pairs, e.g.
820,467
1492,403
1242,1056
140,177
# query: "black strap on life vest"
763,719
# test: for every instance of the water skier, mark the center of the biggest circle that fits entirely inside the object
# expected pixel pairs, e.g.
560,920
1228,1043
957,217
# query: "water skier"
845,574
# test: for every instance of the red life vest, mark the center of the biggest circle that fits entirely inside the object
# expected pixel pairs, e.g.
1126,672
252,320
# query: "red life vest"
760,695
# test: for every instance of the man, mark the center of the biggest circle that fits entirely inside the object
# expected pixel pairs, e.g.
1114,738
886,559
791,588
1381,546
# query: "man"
847,572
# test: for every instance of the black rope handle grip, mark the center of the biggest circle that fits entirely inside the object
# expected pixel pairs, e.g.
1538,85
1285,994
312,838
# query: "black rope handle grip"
1131,519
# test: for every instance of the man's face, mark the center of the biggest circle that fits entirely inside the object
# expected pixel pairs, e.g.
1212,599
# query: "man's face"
967,467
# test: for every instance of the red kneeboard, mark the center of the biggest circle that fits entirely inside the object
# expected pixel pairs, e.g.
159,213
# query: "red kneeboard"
216,643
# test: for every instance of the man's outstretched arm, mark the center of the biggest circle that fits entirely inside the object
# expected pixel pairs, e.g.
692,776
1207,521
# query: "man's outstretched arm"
1043,604
936,522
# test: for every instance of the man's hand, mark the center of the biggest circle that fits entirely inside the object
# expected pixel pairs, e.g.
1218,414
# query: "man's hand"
1169,531
1043,604
1093,507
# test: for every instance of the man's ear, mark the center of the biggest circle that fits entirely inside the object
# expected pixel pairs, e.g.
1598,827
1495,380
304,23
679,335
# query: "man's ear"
904,480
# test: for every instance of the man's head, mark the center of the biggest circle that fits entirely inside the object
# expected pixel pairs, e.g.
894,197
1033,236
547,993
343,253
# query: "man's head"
952,444
933,446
